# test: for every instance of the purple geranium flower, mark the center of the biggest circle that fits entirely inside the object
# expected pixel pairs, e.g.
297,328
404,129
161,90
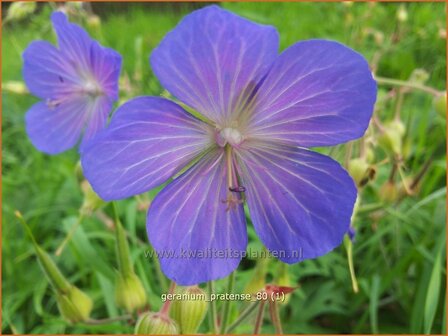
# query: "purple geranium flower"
260,112
77,82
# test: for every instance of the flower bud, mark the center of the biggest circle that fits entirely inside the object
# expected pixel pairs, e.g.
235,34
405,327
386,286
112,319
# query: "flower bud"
190,313
155,324
402,14
75,306
19,10
388,192
357,169
370,155
16,87
379,38
52,272
129,292
176,308
94,21
440,105
392,137
419,76
92,201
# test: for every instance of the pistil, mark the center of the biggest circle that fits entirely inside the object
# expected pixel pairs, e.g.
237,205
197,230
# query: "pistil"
232,181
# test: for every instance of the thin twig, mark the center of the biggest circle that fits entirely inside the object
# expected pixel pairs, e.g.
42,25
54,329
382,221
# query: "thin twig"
412,85
259,319
243,316
226,308
69,235
108,320
213,321
275,317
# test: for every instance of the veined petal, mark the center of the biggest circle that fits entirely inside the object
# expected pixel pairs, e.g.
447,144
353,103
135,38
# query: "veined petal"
47,73
105,66
213,60
317,93
74,42
55,129
148,140
300,201
97,114
195,237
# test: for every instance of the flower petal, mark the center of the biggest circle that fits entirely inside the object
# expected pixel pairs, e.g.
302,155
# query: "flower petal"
148,140
99,110
300,201
74,42
105,66
56,129
317,93
47,73
195,237
213,59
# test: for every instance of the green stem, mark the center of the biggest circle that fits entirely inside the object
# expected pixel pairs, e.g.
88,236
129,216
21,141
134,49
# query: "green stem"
160,276
166,306
108,320
54,275
259,319
69,235
122,247
412,85
226,308
349,249
244,314
213,315
275,317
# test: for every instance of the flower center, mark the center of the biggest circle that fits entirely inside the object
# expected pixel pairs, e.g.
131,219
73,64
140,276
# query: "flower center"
92,88
230,136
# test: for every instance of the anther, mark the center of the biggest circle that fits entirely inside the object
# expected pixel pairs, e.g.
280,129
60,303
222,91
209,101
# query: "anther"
238,189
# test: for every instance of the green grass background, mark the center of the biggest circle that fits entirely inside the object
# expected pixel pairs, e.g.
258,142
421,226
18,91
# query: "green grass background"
399,253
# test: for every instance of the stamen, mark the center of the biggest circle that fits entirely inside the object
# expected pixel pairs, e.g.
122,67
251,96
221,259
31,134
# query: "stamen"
238,189
232,200
229,136
53,103
92,88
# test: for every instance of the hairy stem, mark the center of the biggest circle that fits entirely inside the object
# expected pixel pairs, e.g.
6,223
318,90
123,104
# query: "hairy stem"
411,85
259,319
69,235
243,316
108,320
166,306
275,317
213,321
226,308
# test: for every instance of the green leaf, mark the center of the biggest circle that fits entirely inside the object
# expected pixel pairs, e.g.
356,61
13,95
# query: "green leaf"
373,306
432,296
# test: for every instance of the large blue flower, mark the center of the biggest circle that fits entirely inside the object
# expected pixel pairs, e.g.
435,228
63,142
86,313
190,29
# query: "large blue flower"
77,82
260,112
